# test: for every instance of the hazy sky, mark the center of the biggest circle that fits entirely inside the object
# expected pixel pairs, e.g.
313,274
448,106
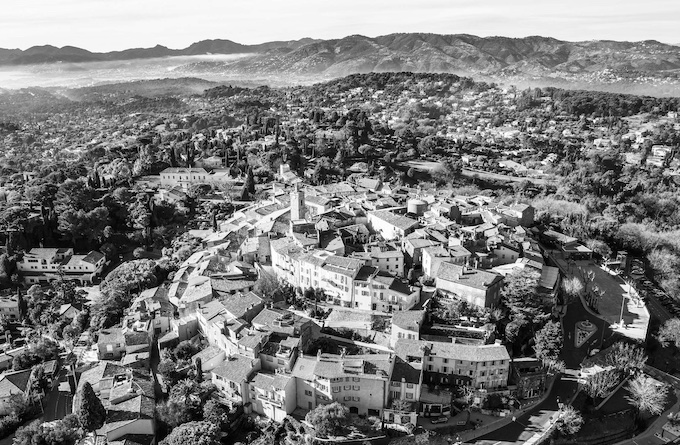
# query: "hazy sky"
104,25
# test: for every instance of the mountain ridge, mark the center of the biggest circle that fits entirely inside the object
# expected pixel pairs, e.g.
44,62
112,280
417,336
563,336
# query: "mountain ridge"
536,56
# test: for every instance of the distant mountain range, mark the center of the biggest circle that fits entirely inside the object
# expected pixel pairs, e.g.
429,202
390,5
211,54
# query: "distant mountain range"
497,56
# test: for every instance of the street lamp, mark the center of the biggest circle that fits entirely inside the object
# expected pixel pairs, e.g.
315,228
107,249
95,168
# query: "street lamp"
623,301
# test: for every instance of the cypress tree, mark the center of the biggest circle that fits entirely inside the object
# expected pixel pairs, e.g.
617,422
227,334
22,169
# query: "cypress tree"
90,410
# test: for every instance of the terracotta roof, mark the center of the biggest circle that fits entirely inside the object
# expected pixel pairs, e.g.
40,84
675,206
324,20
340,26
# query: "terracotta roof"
459,351
236,368
467,276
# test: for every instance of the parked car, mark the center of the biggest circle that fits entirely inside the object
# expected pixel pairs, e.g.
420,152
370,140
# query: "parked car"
440,419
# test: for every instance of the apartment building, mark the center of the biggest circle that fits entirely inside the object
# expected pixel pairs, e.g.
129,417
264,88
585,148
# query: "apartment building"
360,382
477,287
479,366
377,290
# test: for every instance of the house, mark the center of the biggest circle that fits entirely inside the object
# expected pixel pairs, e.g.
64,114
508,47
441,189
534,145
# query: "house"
231,378
386,256
134,416
285,324
406,324
209,358
13,384
183,177
102,377
477,287
255,250
390,225
413,247
405,386
519,215
7,357
317,205
151,311
529,375
505,253
111,344
480,366
273,395
433,257
377,290
69,311
42,265
359,382
9,307
568,246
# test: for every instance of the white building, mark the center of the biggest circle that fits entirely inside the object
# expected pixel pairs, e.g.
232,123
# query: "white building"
183,177
42,265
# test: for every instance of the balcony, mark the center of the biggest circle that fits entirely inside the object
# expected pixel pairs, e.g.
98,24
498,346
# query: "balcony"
265,399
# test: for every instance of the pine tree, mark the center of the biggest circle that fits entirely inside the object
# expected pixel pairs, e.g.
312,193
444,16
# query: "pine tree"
90,411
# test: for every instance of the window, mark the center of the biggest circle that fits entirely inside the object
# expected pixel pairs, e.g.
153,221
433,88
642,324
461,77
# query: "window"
356,379
270,359
409,385
356,388
336,389
281,362
482,373
396,395
483,364
446,360
395,384
356,399
308,392
445,370
409,395
429,368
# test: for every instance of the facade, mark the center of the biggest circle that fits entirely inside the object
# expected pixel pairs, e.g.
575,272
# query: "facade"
9,307
406,324
413,248
183,177
231,378
479,366
378,291
42,265
387,257
432,259
477,287
390,225
273,395
360,382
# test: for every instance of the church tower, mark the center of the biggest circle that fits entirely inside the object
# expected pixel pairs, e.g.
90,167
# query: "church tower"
297,204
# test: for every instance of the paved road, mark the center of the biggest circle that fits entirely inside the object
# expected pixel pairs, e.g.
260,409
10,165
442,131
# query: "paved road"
526,426
58,402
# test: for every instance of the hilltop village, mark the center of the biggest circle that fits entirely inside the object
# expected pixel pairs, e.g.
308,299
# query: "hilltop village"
385,257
